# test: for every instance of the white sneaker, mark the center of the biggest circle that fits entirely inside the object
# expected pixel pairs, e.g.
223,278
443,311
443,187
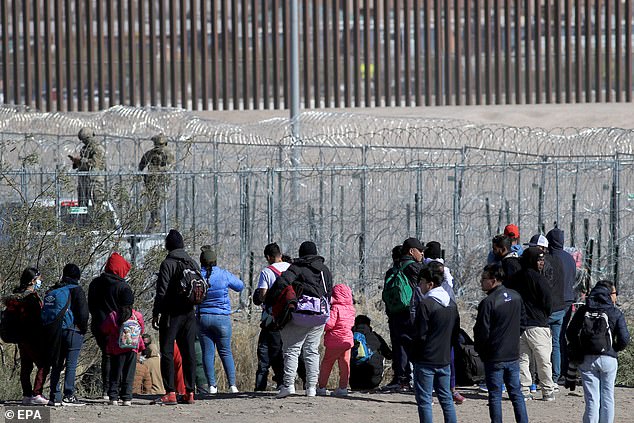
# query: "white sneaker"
285,391
127,403
311,392
39,400
322,392
233,389
340,392
213,389
114,402
27,400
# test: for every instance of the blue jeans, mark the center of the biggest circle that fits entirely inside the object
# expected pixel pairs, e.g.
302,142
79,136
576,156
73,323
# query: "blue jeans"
598,374
497,374
69,355
214,331
427,379
555,321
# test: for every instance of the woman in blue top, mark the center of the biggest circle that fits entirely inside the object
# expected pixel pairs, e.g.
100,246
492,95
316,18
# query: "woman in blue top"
214,320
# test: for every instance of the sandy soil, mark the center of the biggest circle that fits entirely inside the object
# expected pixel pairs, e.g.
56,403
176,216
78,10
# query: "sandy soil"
357,407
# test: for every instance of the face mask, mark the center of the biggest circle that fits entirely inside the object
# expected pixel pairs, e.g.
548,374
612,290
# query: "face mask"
38,284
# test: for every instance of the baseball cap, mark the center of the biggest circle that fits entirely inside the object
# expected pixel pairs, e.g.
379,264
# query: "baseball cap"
512,231
538,241
412,243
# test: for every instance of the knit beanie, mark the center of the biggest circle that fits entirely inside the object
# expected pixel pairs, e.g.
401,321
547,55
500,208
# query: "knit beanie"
174,240
308,248
207,255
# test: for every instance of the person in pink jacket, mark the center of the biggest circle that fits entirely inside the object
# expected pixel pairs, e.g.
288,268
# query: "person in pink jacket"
338,340
123,329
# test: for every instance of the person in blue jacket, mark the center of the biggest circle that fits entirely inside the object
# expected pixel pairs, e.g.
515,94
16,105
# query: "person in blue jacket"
214,318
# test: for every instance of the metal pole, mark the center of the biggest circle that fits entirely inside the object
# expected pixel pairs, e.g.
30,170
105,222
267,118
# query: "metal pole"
294,94
294,97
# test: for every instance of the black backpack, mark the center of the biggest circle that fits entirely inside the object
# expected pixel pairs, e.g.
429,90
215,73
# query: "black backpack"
595,336
469,365
12,328
192,286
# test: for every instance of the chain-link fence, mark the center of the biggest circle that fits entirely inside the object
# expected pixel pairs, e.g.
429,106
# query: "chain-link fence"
355,185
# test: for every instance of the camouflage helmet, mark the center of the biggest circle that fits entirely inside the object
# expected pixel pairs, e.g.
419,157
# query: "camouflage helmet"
159,140
86,134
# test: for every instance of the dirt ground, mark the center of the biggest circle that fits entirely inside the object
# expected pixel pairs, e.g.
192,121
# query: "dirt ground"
357,407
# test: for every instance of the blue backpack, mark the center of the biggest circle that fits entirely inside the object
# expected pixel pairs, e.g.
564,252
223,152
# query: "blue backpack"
56,307
361,352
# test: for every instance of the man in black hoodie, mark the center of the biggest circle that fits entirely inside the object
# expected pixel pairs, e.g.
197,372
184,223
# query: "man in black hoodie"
566,296
500,322
309,275
74,327
105,294
173,316
536,339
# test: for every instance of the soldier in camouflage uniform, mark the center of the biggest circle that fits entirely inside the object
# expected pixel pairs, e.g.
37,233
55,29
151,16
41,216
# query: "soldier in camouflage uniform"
157,160
91,158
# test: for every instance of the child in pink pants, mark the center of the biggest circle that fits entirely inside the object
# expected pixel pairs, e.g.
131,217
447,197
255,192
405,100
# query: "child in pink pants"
338,340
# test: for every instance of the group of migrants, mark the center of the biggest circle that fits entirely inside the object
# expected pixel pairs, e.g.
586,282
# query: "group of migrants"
531,329
91,164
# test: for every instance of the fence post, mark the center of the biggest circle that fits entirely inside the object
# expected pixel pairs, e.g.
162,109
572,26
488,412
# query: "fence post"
418,203
573,221
269,205
333,196
244,225
364,217
599,236
614,221
194,208
215,182
488,213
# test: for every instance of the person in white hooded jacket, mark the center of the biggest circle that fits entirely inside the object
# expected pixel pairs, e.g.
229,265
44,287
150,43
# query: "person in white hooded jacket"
435,328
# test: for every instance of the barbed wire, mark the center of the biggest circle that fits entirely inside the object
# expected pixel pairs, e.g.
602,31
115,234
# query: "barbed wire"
356,184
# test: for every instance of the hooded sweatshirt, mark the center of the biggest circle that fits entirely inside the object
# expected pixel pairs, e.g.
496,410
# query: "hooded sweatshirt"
435,329
109,290
555,239
338,329
600,300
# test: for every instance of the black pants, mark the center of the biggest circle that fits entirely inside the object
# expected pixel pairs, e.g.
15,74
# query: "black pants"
269,355
101,340
398,324
122,369
182,329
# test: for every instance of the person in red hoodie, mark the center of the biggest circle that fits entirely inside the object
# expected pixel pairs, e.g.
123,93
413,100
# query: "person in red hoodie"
338,340
123,330
105,295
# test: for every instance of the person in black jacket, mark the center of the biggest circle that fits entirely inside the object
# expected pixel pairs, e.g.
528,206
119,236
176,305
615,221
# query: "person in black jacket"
309,275
105,294
27,303
368,373
536,339
411,263
435,329
173,316
500,322
72,339
555,277
598,368
502,248
568,272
